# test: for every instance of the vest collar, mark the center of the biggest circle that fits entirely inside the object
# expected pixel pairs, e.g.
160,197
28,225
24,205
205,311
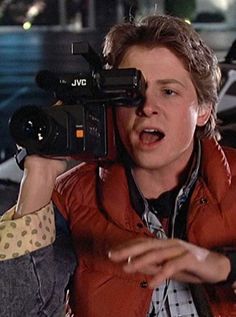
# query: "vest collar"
115,195
115,198
215,169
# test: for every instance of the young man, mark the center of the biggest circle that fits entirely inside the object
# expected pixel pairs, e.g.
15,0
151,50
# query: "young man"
150,229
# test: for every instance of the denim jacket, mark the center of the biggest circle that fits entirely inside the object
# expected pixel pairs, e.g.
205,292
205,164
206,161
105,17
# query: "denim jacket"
35,284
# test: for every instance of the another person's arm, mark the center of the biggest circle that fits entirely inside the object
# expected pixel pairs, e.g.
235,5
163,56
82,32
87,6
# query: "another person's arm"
34,272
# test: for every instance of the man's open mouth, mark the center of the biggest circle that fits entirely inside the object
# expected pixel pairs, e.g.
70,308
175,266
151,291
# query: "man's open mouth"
150,136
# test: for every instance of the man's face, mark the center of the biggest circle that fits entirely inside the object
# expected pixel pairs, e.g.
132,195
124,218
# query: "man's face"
159,134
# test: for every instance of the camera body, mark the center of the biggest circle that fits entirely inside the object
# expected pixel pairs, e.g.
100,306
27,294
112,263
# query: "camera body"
62,130
82,125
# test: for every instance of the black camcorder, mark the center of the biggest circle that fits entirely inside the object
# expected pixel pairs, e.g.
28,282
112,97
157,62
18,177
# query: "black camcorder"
81,126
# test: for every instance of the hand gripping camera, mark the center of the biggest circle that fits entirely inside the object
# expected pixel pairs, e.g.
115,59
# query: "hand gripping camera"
82,126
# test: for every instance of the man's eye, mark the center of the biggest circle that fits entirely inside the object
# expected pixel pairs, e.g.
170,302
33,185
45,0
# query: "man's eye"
169,92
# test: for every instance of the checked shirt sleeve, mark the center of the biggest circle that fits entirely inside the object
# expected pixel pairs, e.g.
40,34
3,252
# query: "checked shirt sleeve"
27,234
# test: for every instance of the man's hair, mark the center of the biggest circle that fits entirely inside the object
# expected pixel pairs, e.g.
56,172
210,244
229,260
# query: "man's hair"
180,37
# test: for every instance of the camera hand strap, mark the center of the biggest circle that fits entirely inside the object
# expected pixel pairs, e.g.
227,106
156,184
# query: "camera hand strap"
20,157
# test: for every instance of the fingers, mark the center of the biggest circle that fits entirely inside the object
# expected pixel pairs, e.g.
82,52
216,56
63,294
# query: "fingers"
180,268
147,256
171,259
154,256
140,247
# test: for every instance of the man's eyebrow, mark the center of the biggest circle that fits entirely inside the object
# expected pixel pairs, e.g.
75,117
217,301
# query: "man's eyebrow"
169,81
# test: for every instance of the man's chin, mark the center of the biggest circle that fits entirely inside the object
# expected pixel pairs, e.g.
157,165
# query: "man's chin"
149,162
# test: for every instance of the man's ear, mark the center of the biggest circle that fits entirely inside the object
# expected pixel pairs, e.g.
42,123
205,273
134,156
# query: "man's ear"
204,112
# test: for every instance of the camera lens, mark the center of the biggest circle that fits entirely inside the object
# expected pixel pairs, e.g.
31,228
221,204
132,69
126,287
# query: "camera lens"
30,126
34,129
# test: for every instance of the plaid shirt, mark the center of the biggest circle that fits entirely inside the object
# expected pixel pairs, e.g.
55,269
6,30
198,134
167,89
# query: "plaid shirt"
172,298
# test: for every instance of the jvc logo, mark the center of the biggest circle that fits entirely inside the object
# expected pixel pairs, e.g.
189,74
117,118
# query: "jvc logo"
79,82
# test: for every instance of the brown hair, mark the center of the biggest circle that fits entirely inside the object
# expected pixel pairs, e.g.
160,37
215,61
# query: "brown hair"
182,40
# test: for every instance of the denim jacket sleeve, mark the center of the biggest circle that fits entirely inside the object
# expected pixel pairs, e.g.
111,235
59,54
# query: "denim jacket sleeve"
34,284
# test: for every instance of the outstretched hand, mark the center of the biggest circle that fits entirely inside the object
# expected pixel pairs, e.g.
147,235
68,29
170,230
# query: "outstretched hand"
171,259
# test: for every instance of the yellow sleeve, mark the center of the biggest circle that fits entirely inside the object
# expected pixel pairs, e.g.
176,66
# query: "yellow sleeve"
24,235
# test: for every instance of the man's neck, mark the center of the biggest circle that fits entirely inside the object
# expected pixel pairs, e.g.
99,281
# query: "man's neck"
152,183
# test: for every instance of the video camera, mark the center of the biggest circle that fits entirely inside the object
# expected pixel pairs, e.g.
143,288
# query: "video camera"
82,126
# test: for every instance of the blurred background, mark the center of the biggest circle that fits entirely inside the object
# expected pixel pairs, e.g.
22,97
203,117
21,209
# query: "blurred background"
37,34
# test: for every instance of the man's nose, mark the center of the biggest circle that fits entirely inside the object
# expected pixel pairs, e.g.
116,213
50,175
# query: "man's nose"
148,107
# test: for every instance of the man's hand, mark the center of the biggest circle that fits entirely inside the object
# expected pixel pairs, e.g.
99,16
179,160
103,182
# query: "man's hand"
171,259
48,166
38,182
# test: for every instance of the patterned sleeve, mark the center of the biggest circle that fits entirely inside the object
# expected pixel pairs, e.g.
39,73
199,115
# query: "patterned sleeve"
24,235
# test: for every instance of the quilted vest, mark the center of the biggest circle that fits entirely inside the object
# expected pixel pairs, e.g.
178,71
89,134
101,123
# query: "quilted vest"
96,203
